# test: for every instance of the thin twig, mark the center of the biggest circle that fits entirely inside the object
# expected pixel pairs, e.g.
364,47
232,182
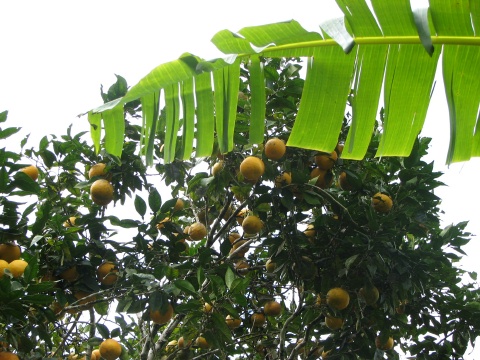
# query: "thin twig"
162,340
64,340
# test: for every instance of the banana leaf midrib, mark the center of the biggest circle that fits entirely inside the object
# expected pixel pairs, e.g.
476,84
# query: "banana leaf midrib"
377,40
366,40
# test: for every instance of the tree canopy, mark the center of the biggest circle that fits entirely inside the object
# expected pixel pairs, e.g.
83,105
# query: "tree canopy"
266,251
395,48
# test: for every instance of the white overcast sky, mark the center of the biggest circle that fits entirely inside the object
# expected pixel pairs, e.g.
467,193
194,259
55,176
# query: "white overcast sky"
55,54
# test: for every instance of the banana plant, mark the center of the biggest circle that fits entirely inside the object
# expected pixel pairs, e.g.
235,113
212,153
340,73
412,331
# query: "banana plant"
390,49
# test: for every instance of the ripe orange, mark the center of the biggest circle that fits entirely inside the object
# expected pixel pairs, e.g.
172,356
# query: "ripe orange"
382,203
326,161
369,294
197,231
202,343
258,319
242,266
107,273
343,182
272,308
70,222
325,177
252,168
252,224
233,323
207,308
17,267
101,192
110,349
241,216
161,224
71,274
179,205
6,355
217,167
333,323
339,148
283,179
310,232
159,317
31,171
232,237
388,345
97,170
95,355
270,265
275,149
9,252
338,299
236,245
3,266
84,298
182,343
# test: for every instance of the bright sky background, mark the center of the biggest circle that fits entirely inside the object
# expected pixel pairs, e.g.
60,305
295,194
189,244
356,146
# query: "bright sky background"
55,54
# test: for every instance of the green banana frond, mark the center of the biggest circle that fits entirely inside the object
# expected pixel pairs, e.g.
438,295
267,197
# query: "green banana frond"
393,50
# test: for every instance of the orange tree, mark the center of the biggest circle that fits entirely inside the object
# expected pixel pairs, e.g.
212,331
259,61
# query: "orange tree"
264,252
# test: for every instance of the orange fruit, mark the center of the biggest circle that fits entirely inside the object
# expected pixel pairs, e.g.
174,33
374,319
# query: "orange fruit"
70,222
258,319
252,224
272,308
236,245
110,349
242,266
369,294
325,177
233,323
333,323
207,308
7,355
275,149
387,345
95,355
84,298
17,267
3,266
9,252
241,216
101,192
326,161
197,231
232,237
179,205
338,299
31,171
71,274
343,182
97,170
159,317
339,148
283,179
270,266
202,343
161,224
310,232
252,168
217,167
382,203
182,343
107,273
